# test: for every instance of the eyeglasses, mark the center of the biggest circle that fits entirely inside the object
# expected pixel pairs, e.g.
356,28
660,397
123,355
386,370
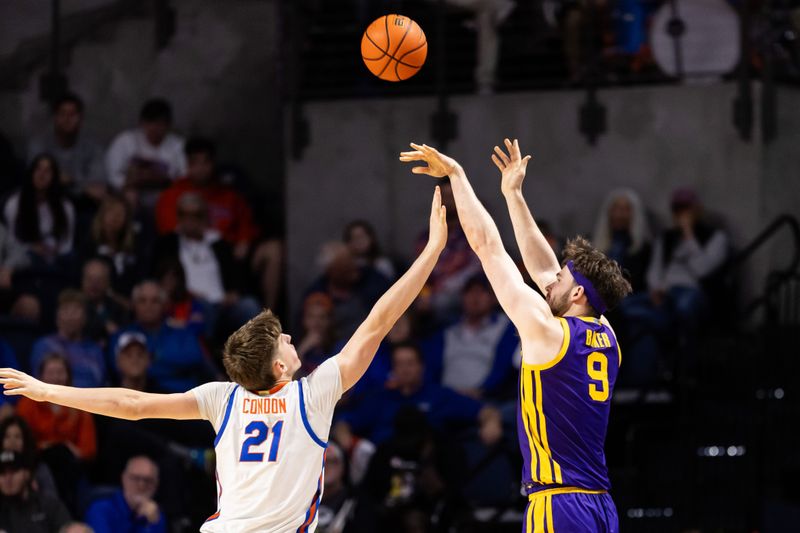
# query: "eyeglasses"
143,480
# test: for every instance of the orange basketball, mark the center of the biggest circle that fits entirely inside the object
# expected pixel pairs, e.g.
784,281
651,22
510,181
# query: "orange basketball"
394,47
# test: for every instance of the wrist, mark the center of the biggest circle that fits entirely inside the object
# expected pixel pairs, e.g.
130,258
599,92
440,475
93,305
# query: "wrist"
512,193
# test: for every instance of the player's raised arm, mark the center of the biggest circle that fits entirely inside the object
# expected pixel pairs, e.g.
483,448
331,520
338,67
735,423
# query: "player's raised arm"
357,354
539,258
115,402
527,309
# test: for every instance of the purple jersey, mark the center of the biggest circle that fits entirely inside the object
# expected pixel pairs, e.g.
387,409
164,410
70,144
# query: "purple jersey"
563,409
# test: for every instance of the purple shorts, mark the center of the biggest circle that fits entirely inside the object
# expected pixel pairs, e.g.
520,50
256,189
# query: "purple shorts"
573,512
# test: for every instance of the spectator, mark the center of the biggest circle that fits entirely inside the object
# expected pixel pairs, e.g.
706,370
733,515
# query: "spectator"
456,265
474,355
78,156
13,257
179,361
17,437
229,211
22,508
66,436
316,340
104,312
149,157
85,357
353,290
211,273
113,238
443,407
338,503
133,508
415,479
183,309
8,359
622,233
133,361
39,216
360,237
685,258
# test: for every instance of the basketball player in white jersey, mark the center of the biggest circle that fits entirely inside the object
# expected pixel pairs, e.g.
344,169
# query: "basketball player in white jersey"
271,431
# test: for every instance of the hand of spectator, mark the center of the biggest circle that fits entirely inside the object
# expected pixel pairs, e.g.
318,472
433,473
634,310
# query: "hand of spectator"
491,429
437,236
240,250
657,297
5,277
439,165
111,327
16,383
512,166
149,510
685,220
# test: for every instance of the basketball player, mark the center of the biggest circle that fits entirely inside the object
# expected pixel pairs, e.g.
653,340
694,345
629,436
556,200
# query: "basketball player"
271,431
570,355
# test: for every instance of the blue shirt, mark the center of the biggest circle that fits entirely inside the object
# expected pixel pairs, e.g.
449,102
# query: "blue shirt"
374,419
179,362
113,515
8,360
85,359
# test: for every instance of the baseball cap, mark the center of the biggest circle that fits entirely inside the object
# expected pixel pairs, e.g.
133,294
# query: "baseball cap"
128,338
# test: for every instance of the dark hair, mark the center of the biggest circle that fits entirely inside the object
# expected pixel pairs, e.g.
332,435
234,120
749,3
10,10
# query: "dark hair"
604,273
172,265
55,356
409,345
28,440
67,98
374,250
27,227
156,110
249,352
200,145
71,296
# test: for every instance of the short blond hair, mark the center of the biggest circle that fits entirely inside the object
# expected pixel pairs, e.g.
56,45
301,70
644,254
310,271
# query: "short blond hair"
250,351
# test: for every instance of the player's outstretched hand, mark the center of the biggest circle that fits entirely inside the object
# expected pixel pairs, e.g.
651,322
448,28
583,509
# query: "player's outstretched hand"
439,165
16,383
511,165
437,237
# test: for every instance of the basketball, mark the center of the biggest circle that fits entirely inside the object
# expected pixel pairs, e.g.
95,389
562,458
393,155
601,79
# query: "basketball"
394,47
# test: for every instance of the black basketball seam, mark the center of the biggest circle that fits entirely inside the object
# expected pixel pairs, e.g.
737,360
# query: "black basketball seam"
397,61
388,45
390,55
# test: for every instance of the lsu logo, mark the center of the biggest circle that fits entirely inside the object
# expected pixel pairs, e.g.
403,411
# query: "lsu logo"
399,21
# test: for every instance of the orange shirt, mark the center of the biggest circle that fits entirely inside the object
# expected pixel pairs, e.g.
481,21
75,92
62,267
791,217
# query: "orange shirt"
229,212
53,424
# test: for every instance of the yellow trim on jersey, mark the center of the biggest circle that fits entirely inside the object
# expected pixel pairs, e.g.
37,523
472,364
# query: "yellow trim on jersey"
545,470
523,395
529,409
549,513
529,517
591,319
538,516
561,352
555,476
562,490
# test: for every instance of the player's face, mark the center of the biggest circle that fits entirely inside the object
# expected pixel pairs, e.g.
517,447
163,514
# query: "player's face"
559,292
288,354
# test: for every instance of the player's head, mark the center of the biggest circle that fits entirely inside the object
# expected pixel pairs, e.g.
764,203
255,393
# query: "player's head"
589,283
258,354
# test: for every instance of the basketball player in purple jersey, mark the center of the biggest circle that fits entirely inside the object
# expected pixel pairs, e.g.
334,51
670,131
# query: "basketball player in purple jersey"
570,355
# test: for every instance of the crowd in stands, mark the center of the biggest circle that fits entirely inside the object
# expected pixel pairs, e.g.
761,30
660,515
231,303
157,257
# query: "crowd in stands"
130,268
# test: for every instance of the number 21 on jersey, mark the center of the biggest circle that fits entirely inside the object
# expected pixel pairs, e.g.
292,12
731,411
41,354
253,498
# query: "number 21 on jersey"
259,431
597,368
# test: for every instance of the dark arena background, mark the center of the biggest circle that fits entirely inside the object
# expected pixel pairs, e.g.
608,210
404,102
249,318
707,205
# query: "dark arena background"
168,168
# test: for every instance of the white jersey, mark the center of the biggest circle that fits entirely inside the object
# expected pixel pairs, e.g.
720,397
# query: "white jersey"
270,450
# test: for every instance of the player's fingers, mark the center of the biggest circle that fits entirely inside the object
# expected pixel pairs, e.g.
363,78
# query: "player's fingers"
13,392
421,170
443,215
498,163
516,148
502,155
437,199
525,160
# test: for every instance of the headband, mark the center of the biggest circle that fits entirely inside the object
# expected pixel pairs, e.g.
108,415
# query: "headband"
591,293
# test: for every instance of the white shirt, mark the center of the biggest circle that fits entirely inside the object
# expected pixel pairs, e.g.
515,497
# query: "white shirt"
45,224
270,451
469,353
203,276
690,262
132,143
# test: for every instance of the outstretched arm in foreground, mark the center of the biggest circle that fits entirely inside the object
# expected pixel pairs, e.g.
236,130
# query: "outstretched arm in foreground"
539,258
116,402
527,310
357,354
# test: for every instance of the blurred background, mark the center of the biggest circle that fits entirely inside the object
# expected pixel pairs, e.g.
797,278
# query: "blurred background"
170,167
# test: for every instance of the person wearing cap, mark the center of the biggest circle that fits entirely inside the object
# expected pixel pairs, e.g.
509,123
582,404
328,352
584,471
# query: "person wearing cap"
474,355
21,507
133,361
133,508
